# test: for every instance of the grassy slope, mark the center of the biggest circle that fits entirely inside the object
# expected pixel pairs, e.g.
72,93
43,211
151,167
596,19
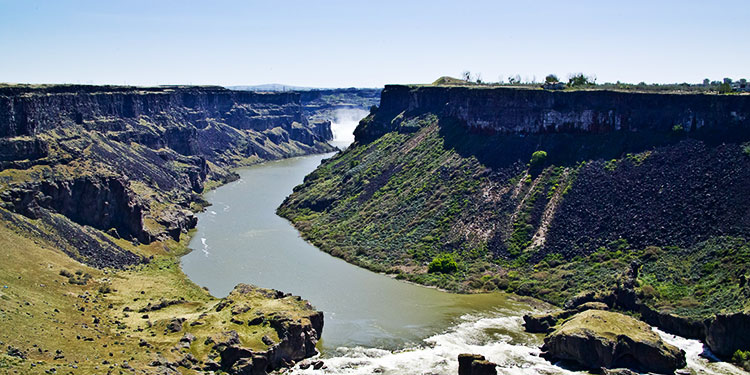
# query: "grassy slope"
33,258
42,312
394,204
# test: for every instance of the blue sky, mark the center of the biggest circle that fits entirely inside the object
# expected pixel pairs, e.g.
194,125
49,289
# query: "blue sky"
369,43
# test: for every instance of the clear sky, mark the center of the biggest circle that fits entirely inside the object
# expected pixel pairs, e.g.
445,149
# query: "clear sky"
369,43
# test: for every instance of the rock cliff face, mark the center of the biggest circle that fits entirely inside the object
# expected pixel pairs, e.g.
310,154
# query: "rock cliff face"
519,111
103,203
727,333
130,160
185,119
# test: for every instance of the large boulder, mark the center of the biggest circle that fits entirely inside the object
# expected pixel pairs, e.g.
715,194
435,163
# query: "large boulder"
545,323
465,360
596,339
475,364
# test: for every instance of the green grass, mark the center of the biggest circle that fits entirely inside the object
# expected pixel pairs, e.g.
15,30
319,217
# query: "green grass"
42,311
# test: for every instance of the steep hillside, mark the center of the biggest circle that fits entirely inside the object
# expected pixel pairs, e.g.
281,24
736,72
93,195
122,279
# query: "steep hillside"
98,189
443,187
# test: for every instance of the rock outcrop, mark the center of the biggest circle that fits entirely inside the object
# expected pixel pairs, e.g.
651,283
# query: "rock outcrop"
297,329
101,202
727,333
596,339
546,323
475,364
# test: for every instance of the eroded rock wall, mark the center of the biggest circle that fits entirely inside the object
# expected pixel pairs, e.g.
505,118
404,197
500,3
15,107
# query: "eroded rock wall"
530,111
132,160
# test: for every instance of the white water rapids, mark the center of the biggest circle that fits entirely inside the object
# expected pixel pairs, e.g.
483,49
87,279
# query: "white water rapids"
501,339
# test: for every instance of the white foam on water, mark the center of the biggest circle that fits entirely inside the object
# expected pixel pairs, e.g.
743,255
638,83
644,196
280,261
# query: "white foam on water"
501,339
205,247
697,356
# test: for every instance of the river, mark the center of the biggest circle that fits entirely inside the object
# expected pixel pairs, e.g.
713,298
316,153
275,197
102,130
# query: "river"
373,323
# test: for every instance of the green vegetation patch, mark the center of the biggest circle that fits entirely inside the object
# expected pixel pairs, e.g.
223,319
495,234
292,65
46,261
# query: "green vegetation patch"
443,263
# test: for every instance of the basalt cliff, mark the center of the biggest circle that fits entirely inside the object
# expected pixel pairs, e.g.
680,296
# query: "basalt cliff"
98,189
635,200
132,160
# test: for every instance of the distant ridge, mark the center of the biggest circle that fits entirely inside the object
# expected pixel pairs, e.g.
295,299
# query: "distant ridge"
270,87
282,87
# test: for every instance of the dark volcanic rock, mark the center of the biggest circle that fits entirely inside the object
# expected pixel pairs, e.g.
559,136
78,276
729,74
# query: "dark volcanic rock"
728,333
483,367
21,149
509,110
686,193
464,362
102,203
175,325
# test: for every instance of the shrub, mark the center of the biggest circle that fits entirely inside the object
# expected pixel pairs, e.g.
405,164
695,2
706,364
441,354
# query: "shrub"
651,252
579,79
554,259
538,158
104,289
741,357
443,263
649,292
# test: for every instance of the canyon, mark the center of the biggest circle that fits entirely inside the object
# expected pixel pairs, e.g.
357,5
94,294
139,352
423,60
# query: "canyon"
634,201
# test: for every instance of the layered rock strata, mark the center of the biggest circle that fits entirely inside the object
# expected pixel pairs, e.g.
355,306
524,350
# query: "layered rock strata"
132,161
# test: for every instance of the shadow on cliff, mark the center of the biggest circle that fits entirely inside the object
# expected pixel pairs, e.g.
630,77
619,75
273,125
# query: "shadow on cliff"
496,150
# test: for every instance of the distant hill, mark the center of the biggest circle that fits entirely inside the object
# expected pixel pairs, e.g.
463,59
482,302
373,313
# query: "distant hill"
271,87
282,87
